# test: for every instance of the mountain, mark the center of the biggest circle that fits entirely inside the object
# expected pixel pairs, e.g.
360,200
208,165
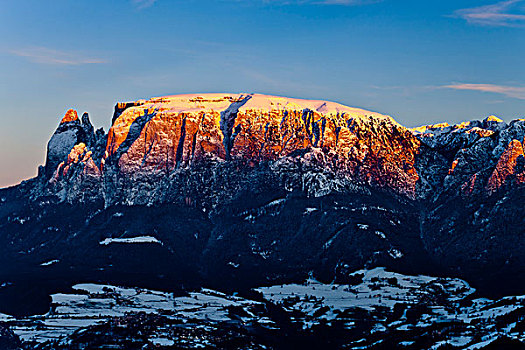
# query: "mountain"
154,139
241,190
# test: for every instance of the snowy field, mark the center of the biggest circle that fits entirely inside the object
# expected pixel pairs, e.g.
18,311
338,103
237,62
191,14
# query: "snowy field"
380,289
94,304
375,293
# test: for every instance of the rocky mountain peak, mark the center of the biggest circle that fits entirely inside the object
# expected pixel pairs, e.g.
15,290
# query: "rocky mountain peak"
71,132
70,116
153,139
493,118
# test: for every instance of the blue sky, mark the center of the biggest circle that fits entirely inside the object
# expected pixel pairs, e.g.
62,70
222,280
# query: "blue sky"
419,61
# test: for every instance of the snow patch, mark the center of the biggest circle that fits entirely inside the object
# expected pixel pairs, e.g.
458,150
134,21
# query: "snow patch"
395,253
51,262
139,239
380,234
162,341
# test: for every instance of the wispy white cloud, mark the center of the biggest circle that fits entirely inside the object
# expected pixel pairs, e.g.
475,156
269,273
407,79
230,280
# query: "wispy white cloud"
142,4
509,91
509,13
46,55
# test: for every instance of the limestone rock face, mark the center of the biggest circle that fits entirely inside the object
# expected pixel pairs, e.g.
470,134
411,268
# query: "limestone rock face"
163,134
70,132
508,165
478,156
74,153
79,155
475,195
151,142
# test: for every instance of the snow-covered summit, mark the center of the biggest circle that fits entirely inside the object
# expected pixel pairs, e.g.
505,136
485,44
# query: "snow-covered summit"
219,102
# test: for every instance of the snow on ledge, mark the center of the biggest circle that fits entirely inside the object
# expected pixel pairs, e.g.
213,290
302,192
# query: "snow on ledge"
51,262
139,239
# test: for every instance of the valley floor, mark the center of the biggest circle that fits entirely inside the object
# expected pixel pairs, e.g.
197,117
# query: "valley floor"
378,309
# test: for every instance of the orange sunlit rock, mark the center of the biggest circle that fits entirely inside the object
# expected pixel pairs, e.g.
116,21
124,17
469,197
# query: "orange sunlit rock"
468,187
71,115
323,143
481,132
453,166
425,128
164,133
493,118
506,165
80,157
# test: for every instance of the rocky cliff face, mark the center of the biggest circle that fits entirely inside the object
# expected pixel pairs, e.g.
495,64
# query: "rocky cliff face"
473,220
482,156
160,137
250,188
164,136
